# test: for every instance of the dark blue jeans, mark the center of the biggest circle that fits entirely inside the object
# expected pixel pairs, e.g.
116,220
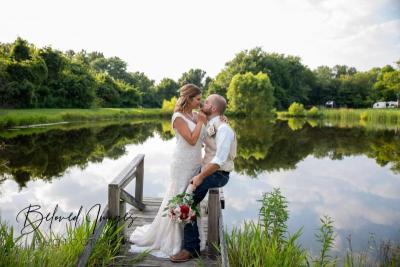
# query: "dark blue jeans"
191,240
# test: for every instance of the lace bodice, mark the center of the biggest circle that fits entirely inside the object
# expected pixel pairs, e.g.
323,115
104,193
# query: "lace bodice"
184,152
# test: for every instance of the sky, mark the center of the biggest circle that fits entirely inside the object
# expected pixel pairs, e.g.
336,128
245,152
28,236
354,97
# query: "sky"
166,38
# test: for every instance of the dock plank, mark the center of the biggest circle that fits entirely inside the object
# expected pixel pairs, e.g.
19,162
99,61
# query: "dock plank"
145,217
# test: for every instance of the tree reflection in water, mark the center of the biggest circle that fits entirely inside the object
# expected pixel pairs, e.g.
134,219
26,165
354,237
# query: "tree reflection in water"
263,145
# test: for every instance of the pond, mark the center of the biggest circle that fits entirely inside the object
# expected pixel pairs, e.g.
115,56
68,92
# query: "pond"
351,174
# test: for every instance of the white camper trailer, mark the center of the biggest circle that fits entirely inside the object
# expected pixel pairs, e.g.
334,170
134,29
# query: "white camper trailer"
389,104
330,104
393,104
379,105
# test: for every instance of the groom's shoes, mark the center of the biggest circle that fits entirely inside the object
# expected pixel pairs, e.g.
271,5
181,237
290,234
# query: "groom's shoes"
182,256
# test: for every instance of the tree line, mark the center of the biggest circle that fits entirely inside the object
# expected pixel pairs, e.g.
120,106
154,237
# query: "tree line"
291,81
253,81
32,77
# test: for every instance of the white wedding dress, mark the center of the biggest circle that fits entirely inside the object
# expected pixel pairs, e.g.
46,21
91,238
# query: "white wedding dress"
163,236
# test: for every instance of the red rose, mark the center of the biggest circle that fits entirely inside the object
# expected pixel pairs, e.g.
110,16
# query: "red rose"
184,209
193,218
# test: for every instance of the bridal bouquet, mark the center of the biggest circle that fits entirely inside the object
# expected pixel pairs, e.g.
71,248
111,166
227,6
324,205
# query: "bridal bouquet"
181,209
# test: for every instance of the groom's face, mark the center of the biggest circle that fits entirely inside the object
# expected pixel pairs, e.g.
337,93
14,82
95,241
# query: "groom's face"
207,107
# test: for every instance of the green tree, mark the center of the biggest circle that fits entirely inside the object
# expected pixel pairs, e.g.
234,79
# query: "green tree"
130,96
3,83
114,66
146,86
20,50
54,61
19,95
106,91
339,70
251,94
76,87
355,89
166,89
388,83
325,88
290,78
5,50
194,76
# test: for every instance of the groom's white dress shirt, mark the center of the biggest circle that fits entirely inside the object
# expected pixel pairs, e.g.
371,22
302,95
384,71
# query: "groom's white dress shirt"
220,148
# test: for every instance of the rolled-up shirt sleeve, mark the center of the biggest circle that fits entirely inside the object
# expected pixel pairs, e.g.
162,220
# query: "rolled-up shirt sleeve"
223,138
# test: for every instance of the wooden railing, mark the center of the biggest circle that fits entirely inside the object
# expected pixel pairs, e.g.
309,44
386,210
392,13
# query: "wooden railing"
117,199
116,209
216,203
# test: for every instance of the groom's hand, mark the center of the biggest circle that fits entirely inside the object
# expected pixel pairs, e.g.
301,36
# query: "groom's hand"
196,181
209,169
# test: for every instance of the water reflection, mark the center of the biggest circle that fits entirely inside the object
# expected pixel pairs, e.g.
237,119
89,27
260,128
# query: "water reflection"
351,174
47,155
263,145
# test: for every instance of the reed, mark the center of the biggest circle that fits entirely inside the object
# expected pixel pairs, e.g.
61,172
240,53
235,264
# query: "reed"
375,116
56,250
268,242
387,253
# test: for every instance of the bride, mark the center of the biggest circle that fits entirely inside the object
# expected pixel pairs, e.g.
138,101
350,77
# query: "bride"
163,236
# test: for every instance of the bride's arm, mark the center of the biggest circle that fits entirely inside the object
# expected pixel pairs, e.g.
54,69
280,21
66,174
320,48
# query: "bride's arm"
190,137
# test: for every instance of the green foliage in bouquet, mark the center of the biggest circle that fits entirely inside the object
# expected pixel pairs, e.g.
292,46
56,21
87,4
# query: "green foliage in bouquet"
182,204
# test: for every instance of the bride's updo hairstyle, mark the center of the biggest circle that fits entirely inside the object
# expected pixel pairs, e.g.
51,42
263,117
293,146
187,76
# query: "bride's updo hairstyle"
186,93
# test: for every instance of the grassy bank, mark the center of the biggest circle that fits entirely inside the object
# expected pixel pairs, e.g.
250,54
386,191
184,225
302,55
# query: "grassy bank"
269,243
55,250
21,117
368,118
75,126
368,115
389,116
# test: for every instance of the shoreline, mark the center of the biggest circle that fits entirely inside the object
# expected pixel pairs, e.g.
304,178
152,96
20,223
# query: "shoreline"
36,118
32,118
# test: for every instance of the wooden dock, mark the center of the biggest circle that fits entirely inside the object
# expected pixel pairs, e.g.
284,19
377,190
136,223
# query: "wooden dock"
146,217
144,210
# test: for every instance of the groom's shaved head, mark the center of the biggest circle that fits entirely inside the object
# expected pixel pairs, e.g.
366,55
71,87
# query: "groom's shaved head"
218,102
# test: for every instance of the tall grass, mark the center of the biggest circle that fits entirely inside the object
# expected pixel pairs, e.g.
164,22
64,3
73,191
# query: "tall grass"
56,250
22,117
387,253
268,242
363,117
373,119
325,236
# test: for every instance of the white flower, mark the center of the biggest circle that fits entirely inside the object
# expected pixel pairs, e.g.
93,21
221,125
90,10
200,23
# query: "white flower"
211,130
177,211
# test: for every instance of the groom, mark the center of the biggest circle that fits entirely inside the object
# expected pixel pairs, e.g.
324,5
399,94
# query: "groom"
220,150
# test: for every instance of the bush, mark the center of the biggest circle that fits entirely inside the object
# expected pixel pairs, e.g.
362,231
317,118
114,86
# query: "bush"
296,110
168,106
313,112
364,116
251,94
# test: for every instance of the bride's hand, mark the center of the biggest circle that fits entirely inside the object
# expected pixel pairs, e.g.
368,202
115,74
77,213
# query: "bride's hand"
201,117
